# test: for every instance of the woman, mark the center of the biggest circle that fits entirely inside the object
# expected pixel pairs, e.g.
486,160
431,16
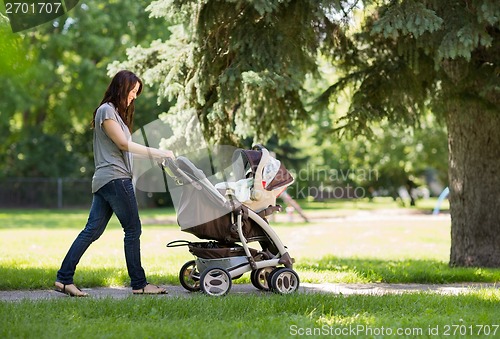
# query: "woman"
112,184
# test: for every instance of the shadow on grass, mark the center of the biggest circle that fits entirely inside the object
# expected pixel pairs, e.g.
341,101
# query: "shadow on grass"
400,271
31,278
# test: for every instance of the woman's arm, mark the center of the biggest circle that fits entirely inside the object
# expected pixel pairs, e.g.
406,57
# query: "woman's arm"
115,133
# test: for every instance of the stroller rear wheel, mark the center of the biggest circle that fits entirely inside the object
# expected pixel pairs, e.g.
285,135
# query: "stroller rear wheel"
215,281
190,277
284,281
259,278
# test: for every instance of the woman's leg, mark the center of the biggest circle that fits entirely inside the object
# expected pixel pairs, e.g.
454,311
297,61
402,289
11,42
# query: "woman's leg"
124,205
99,215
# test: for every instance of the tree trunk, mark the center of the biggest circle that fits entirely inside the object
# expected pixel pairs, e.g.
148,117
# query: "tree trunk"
474,172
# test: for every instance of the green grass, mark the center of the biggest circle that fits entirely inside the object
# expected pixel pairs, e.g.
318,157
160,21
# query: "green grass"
378,203
251,316
358,270
67,219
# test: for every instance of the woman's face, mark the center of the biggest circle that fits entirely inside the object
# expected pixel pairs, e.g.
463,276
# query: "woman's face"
133,94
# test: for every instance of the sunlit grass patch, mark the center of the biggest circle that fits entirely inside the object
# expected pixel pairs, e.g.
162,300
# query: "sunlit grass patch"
364,270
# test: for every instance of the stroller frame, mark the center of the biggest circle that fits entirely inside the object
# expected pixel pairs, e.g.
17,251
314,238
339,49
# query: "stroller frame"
214,275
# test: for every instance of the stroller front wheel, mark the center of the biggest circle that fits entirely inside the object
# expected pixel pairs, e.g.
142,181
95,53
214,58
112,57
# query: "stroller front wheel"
284,281
215,281
190,277
260,278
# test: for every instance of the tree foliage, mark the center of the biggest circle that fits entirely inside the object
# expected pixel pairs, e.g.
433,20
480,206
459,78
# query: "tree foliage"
52,89
238,66
377,165
415,54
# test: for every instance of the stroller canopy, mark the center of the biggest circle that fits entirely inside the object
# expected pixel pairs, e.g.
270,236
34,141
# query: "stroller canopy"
274,174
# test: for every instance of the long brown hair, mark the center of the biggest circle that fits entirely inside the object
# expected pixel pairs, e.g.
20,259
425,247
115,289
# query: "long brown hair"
117,94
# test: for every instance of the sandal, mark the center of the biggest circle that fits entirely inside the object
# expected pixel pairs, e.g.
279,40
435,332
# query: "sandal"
150,289
70,290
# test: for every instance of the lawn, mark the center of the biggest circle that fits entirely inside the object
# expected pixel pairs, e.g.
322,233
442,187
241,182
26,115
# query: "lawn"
348,249
255,316
346,245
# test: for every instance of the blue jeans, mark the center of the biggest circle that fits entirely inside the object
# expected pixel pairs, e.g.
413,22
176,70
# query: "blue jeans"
116,196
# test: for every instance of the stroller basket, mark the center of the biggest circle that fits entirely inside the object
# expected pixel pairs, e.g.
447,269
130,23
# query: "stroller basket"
212,249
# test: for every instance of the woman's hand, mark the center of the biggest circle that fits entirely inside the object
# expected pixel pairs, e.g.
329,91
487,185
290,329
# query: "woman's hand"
163,154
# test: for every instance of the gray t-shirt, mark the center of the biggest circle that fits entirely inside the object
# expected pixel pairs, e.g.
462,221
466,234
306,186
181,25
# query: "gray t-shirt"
110,162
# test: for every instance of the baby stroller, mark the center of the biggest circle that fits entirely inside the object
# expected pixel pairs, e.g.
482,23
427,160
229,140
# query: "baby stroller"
232,214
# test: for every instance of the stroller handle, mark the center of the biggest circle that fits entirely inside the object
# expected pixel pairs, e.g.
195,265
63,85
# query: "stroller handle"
177,173
169,162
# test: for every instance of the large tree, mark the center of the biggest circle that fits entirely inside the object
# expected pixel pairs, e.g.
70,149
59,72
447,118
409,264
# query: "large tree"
241,66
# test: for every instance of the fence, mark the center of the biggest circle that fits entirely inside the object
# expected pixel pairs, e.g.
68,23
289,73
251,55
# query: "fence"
45,193
61,193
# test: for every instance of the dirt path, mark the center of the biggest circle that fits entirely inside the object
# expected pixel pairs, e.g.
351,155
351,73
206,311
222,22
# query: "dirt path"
330,288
